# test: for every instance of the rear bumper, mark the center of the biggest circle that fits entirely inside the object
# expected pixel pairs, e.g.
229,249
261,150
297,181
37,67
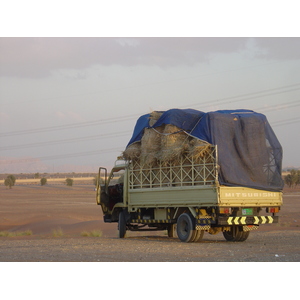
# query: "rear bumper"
256,220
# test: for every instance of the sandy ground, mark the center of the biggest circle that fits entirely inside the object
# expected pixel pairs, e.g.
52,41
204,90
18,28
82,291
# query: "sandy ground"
71,211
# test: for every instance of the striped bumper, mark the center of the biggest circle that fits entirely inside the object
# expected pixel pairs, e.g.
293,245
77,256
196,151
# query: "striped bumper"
256,220
151,221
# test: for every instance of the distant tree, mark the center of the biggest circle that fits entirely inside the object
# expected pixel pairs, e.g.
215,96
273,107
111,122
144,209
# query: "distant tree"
13,178
69,182
10,181
292,179
37,175
298,177
288,180
43,181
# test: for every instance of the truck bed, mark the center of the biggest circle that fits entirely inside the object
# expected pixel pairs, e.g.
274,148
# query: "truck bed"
203,196
191,183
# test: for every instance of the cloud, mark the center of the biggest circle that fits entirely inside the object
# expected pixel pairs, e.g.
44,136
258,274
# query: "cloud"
38,57
280,48
69,116
4,117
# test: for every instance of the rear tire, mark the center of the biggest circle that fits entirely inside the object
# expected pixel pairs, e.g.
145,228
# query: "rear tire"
122,224
199,235
172,230
236,234
185,230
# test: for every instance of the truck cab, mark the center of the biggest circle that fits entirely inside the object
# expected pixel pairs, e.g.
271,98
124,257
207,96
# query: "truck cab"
110,190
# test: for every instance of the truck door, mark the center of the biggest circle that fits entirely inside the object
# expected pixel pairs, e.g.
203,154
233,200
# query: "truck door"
102,190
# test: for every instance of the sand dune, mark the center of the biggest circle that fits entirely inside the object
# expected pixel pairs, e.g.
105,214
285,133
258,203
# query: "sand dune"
44,209
73,210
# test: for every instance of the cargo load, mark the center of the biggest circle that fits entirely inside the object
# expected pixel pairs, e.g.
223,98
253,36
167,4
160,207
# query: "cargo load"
249,153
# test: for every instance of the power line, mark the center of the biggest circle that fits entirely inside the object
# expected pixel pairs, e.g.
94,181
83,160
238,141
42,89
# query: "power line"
286,122
280,106
110,135
123,133
69,126
248,96
60,142
60,156
244,97
97,152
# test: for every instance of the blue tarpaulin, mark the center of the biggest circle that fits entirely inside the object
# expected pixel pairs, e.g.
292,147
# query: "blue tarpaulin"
249,153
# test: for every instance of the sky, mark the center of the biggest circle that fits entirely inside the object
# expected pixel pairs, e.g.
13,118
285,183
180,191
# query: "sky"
72,103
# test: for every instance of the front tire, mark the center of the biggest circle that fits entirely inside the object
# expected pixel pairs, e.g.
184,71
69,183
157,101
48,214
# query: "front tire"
122,224
236,234
185,228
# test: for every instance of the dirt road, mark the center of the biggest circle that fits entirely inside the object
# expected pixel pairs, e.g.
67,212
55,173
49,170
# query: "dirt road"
72,211
273,246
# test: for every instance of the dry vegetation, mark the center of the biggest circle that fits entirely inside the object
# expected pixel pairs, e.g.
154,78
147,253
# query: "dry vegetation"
165,144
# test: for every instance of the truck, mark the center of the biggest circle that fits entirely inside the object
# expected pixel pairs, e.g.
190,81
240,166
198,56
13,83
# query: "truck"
188,172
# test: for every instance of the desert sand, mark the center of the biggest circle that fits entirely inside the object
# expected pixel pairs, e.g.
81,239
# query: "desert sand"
47,210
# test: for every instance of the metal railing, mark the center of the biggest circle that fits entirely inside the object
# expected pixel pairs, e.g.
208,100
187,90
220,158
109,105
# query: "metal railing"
188,172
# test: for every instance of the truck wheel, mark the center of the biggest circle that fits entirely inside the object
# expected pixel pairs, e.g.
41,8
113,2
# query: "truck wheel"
172,230
236,234
244,236
122,224
185,230
199,235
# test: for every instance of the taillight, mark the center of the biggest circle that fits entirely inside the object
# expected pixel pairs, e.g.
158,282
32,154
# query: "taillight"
225,210
273,210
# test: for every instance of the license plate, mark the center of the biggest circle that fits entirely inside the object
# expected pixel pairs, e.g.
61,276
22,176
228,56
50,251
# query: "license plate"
247,211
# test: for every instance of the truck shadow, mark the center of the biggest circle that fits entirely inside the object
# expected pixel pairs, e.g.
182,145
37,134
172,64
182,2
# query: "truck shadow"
166,239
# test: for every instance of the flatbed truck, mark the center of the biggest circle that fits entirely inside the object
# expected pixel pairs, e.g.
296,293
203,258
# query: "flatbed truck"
186,200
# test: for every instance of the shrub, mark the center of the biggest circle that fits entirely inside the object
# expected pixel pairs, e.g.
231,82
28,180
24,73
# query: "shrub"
10,181
69,182
292,179
27,232
12,234
13,178
43,181
93,233
96,233
57,232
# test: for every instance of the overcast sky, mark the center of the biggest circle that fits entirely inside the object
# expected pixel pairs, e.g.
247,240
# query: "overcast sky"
75,101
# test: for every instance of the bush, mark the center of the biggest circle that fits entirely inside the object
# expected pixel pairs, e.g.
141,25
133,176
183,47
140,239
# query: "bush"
69,182
93,233
57,232
13,178
12,234
292,179
43,181
10,181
